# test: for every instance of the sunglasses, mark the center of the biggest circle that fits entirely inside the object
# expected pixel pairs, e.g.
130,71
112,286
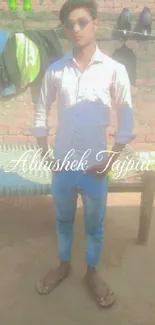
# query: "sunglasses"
82,23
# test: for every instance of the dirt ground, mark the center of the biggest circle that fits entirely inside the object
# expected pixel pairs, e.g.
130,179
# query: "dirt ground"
28,249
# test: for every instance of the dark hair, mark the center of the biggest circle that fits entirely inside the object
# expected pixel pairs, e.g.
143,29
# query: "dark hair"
71,5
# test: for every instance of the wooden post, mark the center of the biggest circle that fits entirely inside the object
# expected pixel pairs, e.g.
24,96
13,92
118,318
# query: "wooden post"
146,207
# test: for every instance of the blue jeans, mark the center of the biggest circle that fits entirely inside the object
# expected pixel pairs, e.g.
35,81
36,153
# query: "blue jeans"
65,189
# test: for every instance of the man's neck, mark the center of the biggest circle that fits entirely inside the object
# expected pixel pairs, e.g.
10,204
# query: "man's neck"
84,55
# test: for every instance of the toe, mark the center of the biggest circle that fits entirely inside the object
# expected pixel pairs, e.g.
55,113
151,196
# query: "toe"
108,300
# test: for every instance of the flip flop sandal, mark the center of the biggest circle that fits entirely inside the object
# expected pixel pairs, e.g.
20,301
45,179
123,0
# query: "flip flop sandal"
108,301
103,302
44,290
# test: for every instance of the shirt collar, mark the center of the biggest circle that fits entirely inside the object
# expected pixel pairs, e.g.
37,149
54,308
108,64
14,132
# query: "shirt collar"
97,57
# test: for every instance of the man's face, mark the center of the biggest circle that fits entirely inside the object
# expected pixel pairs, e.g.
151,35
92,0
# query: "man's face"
80,28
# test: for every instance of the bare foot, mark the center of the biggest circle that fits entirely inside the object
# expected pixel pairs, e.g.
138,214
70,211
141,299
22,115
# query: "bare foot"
99,289
53,278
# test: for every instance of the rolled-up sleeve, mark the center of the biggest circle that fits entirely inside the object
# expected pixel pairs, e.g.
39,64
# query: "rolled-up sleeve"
46,99
121,92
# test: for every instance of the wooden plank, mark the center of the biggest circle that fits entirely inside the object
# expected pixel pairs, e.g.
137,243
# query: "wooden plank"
124,187
146,208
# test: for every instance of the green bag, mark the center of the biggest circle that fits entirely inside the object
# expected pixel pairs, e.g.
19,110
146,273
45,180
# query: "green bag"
28,59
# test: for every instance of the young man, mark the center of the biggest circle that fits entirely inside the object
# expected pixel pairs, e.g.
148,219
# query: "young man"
86,82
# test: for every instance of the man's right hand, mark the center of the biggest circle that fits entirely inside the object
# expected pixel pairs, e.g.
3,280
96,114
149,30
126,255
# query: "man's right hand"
46,159
45,152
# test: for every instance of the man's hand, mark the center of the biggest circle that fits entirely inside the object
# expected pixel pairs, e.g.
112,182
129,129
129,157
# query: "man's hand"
47,161
45,157
101,170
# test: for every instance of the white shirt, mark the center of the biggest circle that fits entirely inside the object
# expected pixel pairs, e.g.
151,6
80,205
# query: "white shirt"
84,104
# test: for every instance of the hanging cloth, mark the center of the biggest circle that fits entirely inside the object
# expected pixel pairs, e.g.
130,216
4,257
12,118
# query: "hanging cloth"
28,59
125,56
7,88
50,50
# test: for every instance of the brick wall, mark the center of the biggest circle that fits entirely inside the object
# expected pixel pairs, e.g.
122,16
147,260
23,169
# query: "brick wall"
16,115
104,5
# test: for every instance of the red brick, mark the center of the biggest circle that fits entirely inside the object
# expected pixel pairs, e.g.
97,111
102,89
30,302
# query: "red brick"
142,120
142,130
152,5
3,6
132,45
140,6
109,4
117,4
15,139
148,96
31,139
26,132
17,109
150,138
56,7
150,106
116,10
3,130
145,82
141,105
143,146
107,10
100,9
4,122
136,123
139,139
21,123
137,9
143,1
131,5
151,122
14,131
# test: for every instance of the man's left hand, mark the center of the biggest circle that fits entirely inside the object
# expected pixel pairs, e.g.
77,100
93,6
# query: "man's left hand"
99,170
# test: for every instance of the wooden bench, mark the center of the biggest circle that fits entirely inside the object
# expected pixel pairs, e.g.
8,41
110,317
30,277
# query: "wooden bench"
14,181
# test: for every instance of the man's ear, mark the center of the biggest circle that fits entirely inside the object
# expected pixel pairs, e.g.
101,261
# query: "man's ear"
66,33
96,24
